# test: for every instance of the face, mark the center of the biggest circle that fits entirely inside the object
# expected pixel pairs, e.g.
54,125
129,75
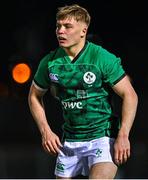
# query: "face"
70,32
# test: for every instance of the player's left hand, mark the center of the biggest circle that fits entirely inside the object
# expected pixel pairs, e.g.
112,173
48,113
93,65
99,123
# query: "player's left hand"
121,150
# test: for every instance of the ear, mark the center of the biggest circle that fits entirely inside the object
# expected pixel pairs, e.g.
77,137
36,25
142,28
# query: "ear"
84,31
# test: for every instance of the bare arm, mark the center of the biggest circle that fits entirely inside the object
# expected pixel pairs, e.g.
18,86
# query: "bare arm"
129,106
50,140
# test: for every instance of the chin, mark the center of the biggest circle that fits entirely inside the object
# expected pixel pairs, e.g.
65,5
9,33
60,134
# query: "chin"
63,45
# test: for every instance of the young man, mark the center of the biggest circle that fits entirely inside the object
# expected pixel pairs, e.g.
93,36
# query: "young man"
79,73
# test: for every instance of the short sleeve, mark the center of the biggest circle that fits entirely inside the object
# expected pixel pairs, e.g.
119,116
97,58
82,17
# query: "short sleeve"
41,78
111,68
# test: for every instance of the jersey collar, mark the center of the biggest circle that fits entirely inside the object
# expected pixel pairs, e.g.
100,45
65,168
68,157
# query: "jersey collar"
77,57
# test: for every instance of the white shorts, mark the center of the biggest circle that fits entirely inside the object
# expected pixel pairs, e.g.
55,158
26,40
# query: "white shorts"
76,158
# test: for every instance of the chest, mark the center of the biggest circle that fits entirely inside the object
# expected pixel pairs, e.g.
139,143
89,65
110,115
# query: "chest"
75,75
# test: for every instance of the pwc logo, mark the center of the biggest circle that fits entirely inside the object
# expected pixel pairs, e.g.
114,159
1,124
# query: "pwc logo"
72,105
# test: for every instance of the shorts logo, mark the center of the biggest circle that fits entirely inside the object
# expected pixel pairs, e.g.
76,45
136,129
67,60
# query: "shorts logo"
99,152
89,77
53,77
60,167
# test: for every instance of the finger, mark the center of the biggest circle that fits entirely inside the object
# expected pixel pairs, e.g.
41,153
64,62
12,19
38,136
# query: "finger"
128,153
125,157
56,145
51,148
46,149
119,157
117,162
116,157
59,142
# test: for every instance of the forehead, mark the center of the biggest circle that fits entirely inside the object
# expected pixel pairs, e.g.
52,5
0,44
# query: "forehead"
67,20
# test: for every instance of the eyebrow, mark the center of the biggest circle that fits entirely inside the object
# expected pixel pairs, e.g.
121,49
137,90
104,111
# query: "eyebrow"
65,24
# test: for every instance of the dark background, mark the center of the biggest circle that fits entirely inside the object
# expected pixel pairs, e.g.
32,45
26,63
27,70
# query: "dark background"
27,32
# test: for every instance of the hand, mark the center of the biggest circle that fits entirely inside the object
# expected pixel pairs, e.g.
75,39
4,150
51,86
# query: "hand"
51,142
121,150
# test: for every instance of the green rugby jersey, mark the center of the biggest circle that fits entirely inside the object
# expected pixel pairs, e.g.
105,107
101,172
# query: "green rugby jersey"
81,86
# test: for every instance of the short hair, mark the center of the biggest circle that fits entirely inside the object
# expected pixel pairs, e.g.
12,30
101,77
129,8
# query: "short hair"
79,13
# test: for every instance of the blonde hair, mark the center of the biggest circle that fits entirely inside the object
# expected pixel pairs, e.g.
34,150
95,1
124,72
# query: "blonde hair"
79,13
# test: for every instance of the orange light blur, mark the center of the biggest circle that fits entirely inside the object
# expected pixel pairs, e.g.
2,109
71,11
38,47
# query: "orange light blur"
21,73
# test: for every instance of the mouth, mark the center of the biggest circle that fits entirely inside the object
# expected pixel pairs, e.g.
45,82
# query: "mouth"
61,38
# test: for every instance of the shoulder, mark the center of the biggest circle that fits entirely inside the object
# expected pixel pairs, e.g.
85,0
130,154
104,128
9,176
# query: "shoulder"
100,50
93,51
93,47
100,54
104,53
107,57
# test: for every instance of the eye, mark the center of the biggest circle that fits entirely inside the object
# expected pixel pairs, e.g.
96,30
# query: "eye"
58,26
68,26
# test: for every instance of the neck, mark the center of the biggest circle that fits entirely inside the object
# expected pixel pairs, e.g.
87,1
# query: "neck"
74,50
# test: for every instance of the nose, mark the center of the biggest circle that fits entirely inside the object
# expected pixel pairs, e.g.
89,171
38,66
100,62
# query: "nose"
60,30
